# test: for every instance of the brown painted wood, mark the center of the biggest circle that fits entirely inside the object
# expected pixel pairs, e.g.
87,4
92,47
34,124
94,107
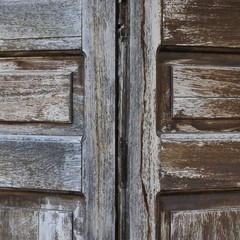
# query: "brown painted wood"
199,216
200,162
206,108
205,92
41,216
42,25
197,92
206,224
201,23
205,81
38,162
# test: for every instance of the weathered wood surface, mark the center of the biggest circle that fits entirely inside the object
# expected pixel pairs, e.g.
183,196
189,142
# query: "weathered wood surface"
38,96
41,216
201,23
205,81
34,162
199,216
197,92
40,25
143,144
18,224
52,67
205,224
205,92
99,145
206,108
55,225
200,162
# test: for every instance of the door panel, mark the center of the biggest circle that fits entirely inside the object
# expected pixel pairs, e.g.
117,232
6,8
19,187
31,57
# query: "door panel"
197,92
42,25
38,162
40,216
200,162
199,216
201,23
42,100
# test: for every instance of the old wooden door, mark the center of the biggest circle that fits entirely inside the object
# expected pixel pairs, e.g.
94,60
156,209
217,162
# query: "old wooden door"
57,119
181,70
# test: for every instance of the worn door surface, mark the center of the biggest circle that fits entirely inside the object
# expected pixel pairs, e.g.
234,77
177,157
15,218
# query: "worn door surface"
56,123
183,120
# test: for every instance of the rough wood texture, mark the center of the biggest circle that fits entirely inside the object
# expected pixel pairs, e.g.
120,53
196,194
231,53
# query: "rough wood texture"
55,225
53,67
201,23
18,224
205,81
205,224
197,92
38,96
199,216
143,164
207,108
99,150
41,216
205,92
200,162
52,163
44,25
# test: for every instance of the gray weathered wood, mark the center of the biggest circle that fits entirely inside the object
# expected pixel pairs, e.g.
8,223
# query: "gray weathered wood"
44,25
35,162
55,225
38,96
143,165
54,67
25,215
18,223
200,162
206,224
99,150
201,23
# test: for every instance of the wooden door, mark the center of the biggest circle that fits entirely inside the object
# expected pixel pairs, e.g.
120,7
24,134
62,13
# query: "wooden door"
57,125
182,122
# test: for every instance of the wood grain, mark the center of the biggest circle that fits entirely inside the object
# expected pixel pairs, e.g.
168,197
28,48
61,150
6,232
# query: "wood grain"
56,20
205,81
54,67
38,96
18,223
99,145
25,215
55,225
212,215
206,108
197,92
205,224
202,162
52,163
205,92
201,23
143,26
